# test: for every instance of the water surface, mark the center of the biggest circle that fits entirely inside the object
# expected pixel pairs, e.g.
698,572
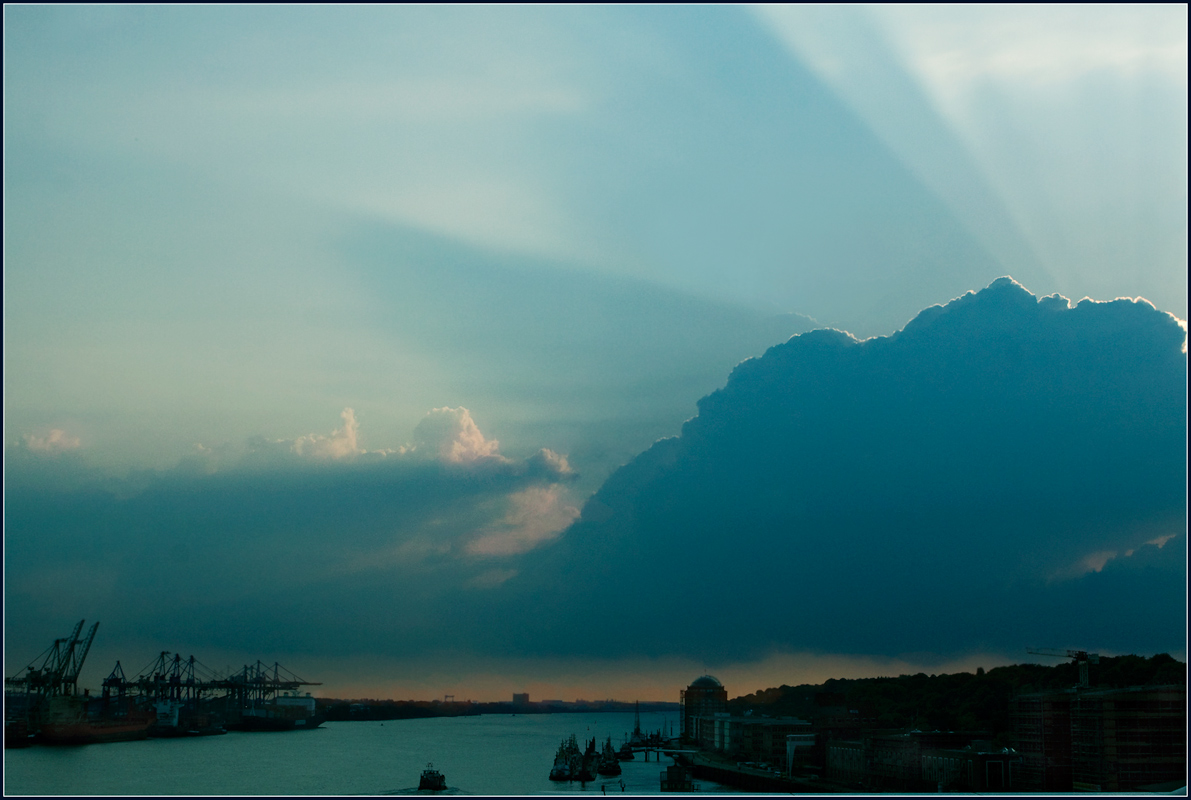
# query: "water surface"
490,754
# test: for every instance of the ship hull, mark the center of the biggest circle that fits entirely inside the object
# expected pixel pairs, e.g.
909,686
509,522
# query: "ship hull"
185,721
257,723
92,732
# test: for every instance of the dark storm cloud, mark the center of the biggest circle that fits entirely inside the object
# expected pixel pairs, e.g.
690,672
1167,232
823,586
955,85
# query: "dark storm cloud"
1004,471
223,549
1001,471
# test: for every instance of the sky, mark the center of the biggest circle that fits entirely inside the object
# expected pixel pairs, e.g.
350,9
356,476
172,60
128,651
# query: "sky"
331,335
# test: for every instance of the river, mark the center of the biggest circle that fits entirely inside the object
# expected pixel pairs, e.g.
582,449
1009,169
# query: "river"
493,754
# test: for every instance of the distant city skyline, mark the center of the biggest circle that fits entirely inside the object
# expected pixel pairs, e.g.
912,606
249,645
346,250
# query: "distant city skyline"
324,326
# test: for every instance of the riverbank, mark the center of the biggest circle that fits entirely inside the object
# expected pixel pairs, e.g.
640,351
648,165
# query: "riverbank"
753,779
374,710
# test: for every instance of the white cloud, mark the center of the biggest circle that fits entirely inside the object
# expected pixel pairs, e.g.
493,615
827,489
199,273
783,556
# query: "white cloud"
1097,561
340,444
56,441
548,462
537,515
1161,541
1094,562
446,435
451,435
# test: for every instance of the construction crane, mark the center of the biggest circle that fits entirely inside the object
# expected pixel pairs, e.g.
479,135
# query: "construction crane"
1082,657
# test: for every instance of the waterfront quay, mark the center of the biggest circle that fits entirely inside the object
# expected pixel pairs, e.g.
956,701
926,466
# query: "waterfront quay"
709,766
1081,738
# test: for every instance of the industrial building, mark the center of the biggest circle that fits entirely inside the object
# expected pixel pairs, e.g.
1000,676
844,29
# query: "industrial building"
979,767
922,761
1111,740
1041,724
779,742
1125,740
761,739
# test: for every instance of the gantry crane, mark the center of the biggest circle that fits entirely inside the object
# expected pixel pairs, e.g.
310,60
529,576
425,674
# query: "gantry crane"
59,670
77,655
1082,657
117,683
52,674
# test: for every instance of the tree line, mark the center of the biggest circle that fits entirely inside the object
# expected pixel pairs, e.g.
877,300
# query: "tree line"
960,701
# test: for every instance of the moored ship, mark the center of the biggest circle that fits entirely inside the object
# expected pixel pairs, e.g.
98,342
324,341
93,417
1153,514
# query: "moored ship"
568,753
167,699
286,712
184,718
261,698
609,761
76,720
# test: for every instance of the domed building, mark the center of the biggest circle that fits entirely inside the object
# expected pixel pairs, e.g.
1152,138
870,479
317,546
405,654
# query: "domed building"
705,697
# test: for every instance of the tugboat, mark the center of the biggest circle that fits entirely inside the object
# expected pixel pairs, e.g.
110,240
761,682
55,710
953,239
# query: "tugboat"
609,763
564,759
432,780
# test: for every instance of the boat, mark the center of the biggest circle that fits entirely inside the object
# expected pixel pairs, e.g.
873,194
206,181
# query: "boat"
585,767
609,761
167,721
285,712
432,779
561,771
205,724
261,698
69,720
177,718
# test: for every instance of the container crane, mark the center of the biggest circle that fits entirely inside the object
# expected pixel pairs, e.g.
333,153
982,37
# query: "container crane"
1081,657
70,676
115,682
58,673
54,673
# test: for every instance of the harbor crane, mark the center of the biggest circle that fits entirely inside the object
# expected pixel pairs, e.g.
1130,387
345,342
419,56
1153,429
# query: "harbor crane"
58,673
54,673
70,676
1082,657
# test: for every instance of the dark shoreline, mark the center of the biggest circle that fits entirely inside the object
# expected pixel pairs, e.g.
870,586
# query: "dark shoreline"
337,710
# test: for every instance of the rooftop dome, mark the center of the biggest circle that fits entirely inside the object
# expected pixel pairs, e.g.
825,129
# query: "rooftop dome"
707,682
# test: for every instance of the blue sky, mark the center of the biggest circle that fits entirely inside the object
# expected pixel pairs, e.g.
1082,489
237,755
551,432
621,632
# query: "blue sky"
500,252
